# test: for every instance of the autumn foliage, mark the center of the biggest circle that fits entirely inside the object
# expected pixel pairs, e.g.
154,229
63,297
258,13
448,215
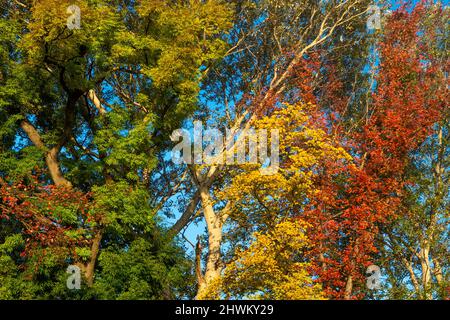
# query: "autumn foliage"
87,178
410,99
54,219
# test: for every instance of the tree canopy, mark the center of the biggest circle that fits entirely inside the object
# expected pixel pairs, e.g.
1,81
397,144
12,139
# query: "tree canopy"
92,91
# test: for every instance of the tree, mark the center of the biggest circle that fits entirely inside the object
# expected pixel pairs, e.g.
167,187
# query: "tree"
263,204
265,79
269,269
90,108
417,95
398,121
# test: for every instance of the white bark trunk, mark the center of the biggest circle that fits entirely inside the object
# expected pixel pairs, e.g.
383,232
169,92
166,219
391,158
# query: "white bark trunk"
214,223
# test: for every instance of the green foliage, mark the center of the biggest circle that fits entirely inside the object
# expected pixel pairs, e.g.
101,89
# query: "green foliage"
144,60
145,270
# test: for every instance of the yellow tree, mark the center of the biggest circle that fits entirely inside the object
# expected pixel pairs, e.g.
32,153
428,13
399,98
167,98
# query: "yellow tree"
271,264
268,269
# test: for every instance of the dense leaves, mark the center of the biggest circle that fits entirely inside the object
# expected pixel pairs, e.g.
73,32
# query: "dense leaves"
87,179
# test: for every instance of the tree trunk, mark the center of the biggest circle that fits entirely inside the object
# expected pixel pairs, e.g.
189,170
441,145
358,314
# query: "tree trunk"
51,159
426,272
90,268
348,288
51,156
214,224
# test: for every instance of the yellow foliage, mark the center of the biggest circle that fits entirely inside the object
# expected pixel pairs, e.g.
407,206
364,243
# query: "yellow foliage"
303,149
269,268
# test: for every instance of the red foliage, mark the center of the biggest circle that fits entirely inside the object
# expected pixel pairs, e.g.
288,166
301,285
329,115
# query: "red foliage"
355,199
39,211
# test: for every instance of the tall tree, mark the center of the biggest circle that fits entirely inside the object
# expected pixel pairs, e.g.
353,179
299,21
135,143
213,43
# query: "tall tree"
91,106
